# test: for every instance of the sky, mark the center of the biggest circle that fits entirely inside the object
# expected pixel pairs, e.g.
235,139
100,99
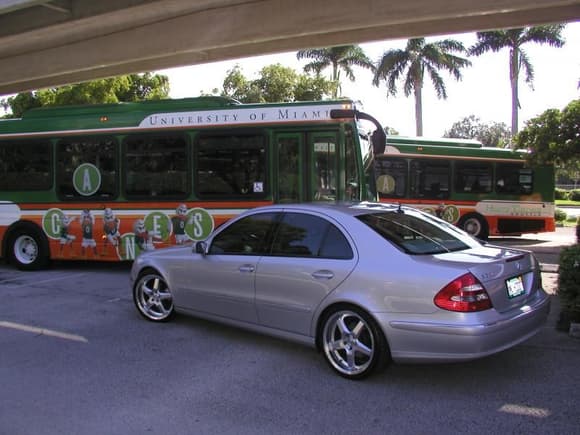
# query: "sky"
484,90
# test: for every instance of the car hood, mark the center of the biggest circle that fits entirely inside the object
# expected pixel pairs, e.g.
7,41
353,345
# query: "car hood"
493,266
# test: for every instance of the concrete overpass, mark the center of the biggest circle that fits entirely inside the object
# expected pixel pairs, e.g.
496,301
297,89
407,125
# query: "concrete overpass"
53,42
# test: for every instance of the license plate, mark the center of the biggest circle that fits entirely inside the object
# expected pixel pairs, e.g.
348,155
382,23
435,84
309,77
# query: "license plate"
515,286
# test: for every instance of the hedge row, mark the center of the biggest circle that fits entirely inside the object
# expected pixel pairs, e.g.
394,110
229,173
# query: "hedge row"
568,287
571,195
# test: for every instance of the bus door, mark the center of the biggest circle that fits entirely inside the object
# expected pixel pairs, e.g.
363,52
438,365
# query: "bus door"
290,175
306,167
323,147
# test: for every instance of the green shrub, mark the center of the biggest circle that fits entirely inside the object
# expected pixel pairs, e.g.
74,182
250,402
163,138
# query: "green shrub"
569,286
574,195
560,194
560,215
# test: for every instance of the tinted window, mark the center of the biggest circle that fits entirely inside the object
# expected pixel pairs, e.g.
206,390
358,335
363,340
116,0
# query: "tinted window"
156,166
430,179
513,178
473,177
231,166
248,236
417,234
303,235
25,165
289,170
335,245
391,177
324,167
96,158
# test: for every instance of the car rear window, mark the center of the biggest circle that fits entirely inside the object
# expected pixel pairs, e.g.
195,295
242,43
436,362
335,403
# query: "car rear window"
416,233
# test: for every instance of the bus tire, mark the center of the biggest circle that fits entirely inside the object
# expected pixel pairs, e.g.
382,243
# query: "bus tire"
474,224
28,247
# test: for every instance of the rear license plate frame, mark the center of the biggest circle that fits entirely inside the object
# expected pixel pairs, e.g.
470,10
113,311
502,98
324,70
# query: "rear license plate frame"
515,286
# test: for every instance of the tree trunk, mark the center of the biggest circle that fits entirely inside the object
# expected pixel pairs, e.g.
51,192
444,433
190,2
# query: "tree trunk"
419,110
514,74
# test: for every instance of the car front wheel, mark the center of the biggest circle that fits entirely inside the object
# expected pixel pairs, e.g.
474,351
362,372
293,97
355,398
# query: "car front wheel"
352,343
153,297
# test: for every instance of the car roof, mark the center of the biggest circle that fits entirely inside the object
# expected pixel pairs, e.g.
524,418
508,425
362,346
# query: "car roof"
337,208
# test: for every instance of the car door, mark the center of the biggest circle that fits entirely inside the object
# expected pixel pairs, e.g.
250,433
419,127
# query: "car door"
222,282
310,257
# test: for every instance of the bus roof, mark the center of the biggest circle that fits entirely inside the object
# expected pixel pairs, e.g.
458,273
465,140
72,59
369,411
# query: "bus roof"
448,147
158,114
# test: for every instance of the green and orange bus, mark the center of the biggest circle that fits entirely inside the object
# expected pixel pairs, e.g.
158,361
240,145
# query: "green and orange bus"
485,191
110,181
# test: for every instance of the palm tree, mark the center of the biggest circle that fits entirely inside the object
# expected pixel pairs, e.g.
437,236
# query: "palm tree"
411,64
513,39
343,57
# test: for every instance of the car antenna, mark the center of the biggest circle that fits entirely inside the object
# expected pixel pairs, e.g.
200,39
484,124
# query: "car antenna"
400,210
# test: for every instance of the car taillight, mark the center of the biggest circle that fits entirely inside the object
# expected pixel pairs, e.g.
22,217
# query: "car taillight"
464,294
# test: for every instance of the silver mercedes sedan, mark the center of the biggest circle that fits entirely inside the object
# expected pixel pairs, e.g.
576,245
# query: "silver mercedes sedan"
364,283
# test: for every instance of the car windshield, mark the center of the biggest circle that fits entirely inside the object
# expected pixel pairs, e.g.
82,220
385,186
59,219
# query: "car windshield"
417,233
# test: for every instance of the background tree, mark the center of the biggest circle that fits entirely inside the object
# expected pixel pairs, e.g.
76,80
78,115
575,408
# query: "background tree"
275,83
411,65
553,138
134,87
492,134
514,39
341,58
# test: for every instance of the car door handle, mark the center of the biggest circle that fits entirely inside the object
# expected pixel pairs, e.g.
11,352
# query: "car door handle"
247,268
323,274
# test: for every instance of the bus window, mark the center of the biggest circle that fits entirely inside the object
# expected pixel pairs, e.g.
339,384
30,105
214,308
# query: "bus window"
353,188
289,168
156,166
391,177
101,153
473,177
324,167
231,166
25,165
513,179
429,179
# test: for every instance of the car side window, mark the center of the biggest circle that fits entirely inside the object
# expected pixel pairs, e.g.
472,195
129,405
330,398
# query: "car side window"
335,245
248,236
303,235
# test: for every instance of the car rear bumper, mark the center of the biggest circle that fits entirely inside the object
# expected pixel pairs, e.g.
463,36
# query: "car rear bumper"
428,341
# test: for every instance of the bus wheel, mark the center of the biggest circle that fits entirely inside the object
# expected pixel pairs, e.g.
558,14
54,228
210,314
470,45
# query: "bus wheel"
475,225
28,248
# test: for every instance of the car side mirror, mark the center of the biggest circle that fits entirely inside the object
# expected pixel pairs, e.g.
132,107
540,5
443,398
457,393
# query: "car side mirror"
200,248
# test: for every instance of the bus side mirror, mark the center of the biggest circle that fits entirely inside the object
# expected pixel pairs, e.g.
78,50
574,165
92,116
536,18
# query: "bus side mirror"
379,141
378,138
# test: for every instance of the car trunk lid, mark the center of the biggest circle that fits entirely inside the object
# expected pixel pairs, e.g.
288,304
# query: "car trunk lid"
510,277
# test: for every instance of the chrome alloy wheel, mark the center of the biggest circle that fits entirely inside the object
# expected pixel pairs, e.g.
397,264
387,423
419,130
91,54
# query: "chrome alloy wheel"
25,249
153,297
349,344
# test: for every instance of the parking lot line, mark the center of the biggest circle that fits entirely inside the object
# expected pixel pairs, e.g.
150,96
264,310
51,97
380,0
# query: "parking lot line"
57,278
43,331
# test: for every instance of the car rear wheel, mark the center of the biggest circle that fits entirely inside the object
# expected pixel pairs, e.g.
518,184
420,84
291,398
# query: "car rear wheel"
153,297
352,343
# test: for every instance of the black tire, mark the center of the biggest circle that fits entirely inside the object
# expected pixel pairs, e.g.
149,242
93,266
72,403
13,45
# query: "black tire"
474,224
28,248
152,297
352,343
